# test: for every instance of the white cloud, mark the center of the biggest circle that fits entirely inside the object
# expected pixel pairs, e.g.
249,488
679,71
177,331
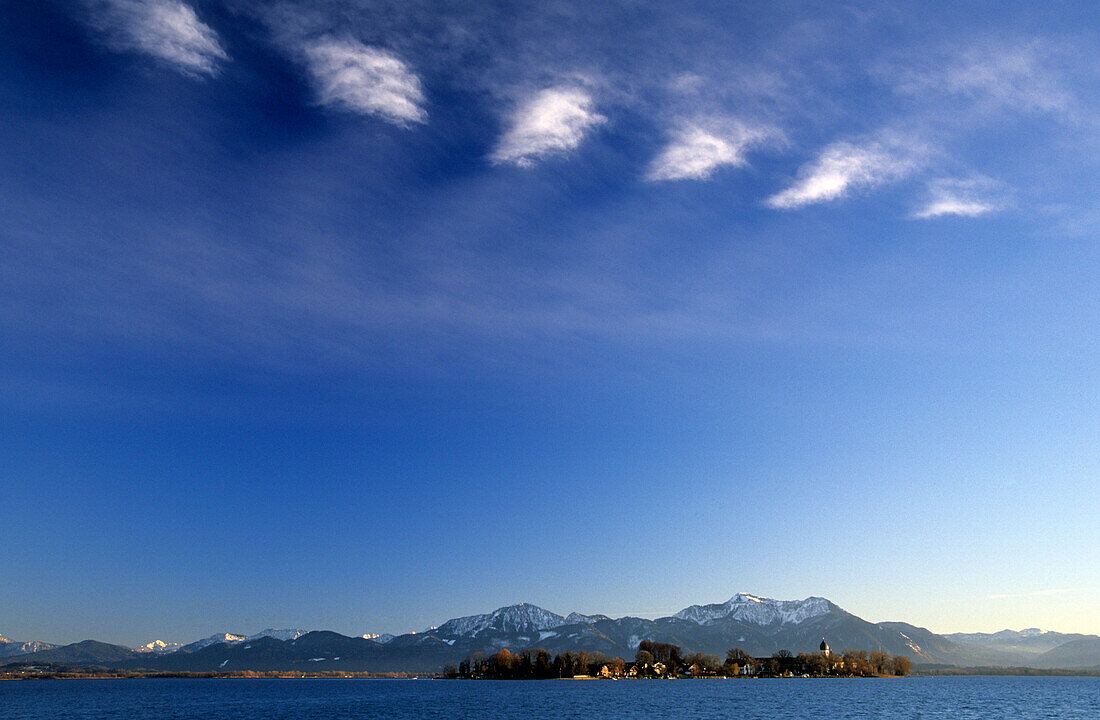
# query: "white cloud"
697,150
168,30
366,80
555,120
843,166
996,76
969,197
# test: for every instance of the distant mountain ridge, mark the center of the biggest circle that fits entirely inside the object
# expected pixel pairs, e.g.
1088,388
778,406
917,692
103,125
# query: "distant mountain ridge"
521,618
757,625
1030,640
80,654
231,638
14,648
158,646
756,610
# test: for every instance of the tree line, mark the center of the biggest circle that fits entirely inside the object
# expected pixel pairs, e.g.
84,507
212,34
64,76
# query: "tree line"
536,664
662,660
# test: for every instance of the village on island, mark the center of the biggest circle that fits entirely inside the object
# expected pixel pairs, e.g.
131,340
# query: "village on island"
656,660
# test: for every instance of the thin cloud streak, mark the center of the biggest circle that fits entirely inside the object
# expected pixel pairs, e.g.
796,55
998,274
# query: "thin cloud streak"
554,121
168,30
699,149
366,80
842,167
993,75
970,197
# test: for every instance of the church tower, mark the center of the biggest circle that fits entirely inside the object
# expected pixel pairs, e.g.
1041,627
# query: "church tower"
824,648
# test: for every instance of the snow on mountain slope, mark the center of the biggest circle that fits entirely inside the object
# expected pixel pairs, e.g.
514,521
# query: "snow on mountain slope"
513,618
158,646
232,639
229,638
382,638
14,648
527,618
755,610
1027,642
5,640
278,634
575,617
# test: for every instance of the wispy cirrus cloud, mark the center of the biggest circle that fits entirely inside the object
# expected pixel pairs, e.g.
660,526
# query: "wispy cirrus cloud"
844,166
168,30
1021,76
554,120
698,149
966,197
366,80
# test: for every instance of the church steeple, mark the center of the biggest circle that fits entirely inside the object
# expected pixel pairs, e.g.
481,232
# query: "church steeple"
824,647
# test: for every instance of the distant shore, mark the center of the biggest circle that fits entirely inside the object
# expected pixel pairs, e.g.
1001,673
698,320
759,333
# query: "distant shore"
75,674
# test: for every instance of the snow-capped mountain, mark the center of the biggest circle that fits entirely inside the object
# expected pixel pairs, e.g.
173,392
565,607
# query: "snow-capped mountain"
754,610
511,619
1029,640
382,638
229,638
757,625
158,646
14,648
278,634
233,639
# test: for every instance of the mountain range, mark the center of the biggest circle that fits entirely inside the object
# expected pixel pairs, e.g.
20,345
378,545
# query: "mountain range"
12,648
760,626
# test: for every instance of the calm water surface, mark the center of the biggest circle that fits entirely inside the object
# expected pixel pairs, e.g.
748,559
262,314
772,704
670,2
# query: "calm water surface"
984,698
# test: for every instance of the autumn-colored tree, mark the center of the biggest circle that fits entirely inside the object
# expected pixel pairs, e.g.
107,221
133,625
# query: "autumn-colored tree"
856,663
501,665
901,665
814,663
880,662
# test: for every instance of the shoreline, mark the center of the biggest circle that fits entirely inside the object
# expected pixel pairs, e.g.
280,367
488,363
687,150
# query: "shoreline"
291,675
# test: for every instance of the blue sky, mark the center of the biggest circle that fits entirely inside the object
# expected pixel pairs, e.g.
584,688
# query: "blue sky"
363,315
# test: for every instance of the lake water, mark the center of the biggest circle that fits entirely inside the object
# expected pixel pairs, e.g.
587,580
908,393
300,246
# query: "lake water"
984,698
